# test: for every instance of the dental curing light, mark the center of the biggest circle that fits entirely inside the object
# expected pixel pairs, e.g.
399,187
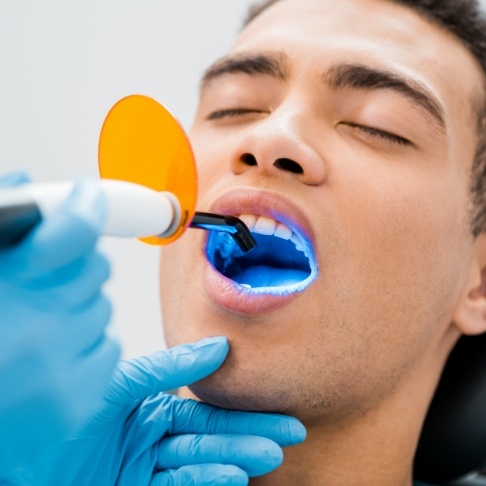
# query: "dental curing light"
149,182
133,210
226,224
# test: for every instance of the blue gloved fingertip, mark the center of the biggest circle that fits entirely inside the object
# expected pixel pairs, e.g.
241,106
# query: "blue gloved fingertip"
291,430
238,478
216,341
212,351
268,457
297,431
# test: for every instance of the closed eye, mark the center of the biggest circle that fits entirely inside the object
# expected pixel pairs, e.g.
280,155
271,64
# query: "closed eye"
233,112
375,132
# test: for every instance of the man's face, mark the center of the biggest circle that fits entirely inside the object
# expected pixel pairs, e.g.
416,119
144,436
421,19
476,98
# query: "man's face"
351,123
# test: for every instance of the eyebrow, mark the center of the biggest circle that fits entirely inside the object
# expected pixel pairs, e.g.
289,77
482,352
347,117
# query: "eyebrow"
338,76
357,76
273,65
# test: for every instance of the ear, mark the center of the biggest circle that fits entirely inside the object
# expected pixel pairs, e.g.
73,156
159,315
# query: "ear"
470,313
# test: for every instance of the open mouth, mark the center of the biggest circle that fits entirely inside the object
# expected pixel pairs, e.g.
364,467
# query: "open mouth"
282,263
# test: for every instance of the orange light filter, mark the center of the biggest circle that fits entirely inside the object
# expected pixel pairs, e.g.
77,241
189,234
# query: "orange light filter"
142,142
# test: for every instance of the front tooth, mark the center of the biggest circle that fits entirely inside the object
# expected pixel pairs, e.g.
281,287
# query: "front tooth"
268,226
282,231
264,226
297,242
249,220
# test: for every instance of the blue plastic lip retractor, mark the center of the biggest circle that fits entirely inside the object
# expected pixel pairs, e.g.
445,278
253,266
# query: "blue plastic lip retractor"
226,224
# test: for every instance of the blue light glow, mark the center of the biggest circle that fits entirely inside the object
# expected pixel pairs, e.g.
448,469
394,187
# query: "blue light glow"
274,267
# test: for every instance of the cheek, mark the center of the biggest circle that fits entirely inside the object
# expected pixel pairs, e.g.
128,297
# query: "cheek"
404,245
213,160
389,281
178,296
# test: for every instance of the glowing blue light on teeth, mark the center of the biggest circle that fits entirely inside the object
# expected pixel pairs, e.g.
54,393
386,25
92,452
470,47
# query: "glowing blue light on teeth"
273,268
280,291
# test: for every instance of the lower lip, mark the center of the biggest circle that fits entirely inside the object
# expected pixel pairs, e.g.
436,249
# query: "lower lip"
226,294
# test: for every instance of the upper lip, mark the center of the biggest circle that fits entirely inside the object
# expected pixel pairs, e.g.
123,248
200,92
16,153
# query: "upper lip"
265,203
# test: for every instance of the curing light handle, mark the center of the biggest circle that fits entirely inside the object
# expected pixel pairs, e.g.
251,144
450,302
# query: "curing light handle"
133,210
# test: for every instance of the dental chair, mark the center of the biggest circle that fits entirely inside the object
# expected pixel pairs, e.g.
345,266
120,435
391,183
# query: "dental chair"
452,447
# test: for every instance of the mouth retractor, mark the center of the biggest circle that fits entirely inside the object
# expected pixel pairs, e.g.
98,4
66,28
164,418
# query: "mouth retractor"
282,263
226,224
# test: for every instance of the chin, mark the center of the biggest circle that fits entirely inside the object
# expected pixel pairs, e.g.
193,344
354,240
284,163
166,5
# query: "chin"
256,389
240,396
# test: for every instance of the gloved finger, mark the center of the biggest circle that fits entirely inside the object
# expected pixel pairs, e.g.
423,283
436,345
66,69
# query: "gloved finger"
76,284
14,179
67,235
191,417
82,287
62,336
202,475
83,328
182,365
86,381
255,455
71,390
66,287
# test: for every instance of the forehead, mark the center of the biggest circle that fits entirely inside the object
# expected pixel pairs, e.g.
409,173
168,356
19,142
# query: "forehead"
381,33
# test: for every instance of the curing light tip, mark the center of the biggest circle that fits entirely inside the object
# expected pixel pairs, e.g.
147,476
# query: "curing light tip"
227,224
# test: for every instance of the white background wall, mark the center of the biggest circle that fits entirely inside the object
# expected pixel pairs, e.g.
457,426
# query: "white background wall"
63,64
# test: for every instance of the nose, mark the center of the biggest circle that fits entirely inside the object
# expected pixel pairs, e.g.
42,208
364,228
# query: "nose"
280,145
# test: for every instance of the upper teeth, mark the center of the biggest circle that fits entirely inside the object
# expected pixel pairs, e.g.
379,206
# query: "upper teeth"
264,225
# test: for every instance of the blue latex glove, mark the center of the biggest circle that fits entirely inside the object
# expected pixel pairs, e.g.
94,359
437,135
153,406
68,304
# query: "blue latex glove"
55,359
164,440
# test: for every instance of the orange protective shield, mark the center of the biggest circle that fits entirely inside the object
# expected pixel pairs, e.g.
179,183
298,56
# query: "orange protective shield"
142,142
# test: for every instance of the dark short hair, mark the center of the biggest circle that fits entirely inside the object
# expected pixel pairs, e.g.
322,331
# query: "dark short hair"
467,21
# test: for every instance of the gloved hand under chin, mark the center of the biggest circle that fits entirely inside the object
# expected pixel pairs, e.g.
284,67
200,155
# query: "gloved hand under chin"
55,358
140,436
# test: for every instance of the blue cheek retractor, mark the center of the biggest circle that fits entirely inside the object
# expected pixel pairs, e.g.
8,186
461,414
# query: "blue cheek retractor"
275,267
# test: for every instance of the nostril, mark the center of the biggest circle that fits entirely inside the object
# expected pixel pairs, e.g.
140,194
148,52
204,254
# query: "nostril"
289,165
248,159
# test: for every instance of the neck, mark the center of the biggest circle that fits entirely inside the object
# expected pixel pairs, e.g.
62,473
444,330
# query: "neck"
373,448
367,454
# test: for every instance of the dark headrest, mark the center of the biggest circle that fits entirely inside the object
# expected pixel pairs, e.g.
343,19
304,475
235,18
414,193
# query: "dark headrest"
453,441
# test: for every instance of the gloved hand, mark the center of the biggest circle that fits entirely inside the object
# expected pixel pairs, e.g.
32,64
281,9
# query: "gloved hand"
55,358
164,440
